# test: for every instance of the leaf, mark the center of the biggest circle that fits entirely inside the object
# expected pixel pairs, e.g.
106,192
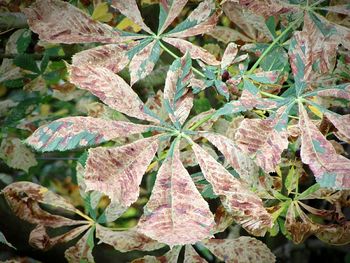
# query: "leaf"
168,11
330,169
110,88
334,234
243,165
16,154
264,140
191,256
227,35
200,21
26,61
39,238
75,132
242,250
175,89
176,214
3,240
101,13
222,219
117,171
229,55
341,122
82,250
60,22
337,91
127,240
194,51
112,56
171,256
246,208
24,199
130,9
144,61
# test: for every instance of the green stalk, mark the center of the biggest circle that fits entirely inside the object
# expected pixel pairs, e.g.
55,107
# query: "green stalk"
257,63
176,57
200,122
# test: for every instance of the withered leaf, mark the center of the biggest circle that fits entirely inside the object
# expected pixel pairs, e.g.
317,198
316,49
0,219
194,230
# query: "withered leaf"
243,250
246,208
117,171
144,61
24,199
60,22
341,122
112,56
191,256
127,240
264,140
130,9
110,88
76,132
200,21
81,250
16,154
330,169
168,11
242,163
194,51
171,256
176,214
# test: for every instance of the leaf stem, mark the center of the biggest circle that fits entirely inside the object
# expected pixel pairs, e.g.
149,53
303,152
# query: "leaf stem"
256,64
201,121
176,57
270,95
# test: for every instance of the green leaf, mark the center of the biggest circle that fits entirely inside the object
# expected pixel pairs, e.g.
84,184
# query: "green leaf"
26,61
23,41
308,192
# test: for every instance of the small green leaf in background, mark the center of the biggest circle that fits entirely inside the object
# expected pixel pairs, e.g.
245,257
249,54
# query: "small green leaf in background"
23,41
26,61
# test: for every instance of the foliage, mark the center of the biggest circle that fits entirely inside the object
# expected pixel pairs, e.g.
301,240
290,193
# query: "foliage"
248,136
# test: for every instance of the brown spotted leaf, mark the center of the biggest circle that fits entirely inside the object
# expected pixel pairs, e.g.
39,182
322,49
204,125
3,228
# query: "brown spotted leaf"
229,55
127,240
60,22
74,132
264,140
194,51
117,171
81,250
335,234
16,154
200,21
176,94
24,199
176,214
341,122
39,238
242,164
144,61
243,250
130,9
191,256
112,56
330,169
110,88
246,208
168,11
171,256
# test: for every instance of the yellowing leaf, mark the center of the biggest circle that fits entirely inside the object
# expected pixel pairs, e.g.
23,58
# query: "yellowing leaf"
101,13
315,111
127,24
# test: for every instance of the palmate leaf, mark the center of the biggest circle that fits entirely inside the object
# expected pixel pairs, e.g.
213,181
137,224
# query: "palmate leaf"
111,89
176,214
264,140
59,22
117,172
242,250
74,132
246,208
330,169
